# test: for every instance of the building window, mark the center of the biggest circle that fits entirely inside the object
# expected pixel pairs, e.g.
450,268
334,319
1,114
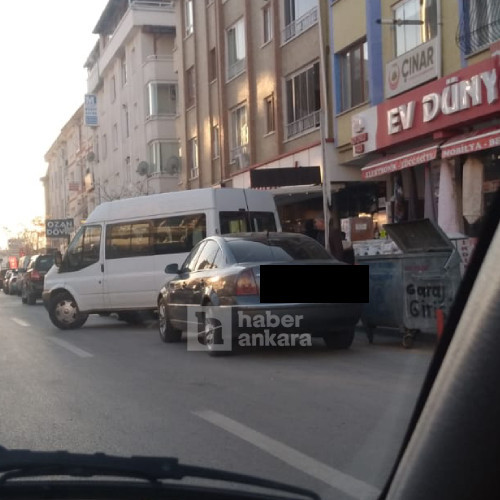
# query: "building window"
124,70
354,76
480,25
188,17
303,101
190,88
112,89
164,158
104,144
212,65
409,36
115,136
299,16
192,158
215,142
162,98
267,24
236,49
269,109
239,137
126,119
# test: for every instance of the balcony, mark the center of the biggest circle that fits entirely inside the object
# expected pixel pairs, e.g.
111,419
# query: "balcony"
235,69
298,26
156,16
308,122
239,157
478,29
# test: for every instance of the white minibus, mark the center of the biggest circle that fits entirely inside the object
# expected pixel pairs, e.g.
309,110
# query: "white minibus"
116,260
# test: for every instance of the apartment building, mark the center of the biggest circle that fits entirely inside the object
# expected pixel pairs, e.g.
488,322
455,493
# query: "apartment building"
68,187
417,105
256,101
123,141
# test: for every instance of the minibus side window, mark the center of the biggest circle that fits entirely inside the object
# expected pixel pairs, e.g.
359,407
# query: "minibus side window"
83,251
128,239
178,234
242,221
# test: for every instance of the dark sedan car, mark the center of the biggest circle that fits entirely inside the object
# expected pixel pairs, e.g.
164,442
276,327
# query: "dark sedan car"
34,277
214,296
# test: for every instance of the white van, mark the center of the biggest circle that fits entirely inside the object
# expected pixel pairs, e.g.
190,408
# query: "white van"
116,261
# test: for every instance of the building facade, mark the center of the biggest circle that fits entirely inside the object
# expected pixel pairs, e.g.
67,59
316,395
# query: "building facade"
417,106
255,93
123,141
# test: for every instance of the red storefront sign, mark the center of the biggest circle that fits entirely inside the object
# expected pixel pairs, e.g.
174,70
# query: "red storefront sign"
400,161
466,96
471,142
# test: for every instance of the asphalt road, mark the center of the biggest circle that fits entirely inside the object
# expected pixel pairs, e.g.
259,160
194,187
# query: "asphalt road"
329,421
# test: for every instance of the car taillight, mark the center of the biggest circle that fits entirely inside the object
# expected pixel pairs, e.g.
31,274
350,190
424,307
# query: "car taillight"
35,275
246,284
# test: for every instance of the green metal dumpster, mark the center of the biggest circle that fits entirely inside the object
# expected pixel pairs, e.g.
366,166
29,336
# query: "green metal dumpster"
410,289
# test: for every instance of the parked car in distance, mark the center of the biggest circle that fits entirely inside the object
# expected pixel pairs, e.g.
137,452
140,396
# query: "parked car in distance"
34,277
12,282
21,268
225,271
2,276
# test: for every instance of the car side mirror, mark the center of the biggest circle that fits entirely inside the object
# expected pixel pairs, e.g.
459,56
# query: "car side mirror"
172,268
58,258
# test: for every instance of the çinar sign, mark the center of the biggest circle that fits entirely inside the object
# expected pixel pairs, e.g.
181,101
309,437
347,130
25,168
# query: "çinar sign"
57,228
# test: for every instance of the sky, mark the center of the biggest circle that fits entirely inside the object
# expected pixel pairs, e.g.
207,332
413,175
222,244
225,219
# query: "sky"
43,47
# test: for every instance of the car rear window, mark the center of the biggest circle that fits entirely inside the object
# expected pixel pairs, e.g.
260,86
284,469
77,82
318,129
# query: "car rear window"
277,250
45,263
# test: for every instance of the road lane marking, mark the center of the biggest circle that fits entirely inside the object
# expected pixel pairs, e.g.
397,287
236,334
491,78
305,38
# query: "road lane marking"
20,322
71,347
333,477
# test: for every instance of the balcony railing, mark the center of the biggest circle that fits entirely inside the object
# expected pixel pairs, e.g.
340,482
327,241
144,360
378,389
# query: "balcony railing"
303,124
240,157
296,27
478,30
235,68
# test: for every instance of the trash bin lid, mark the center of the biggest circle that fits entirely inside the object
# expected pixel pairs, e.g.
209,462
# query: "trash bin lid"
419,236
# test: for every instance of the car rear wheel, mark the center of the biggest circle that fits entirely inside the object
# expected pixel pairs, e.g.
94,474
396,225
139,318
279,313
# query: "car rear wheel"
167,332
341,339
213,339
64,312
24,298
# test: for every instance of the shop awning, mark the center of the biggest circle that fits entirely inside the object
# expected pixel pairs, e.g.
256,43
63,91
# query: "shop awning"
471,142
399,161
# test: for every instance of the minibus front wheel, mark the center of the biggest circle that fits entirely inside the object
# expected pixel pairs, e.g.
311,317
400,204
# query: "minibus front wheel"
64,312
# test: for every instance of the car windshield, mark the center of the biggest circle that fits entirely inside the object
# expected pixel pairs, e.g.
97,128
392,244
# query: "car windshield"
162,141
277,250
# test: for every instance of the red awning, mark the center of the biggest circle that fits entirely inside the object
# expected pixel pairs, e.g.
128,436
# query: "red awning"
392,163
471,142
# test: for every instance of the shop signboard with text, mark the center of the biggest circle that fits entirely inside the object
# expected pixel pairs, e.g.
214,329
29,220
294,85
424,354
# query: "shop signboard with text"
468,96
415,67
